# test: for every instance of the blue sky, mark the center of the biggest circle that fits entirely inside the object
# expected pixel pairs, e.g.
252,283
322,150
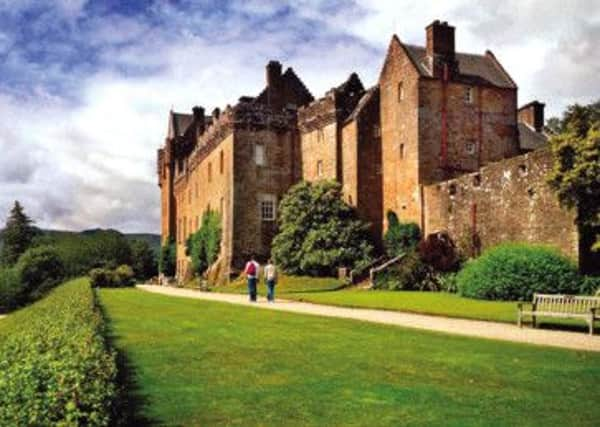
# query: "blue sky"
85,86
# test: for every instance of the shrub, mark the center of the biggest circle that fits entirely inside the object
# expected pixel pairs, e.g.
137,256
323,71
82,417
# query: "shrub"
11,290
448,282
400,237
203,246
104,278
590,285
439,251
55,367
39,270
124,276
516,271
409,274
319,232
168,258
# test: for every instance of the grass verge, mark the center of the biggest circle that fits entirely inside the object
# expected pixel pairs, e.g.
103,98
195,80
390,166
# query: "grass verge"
206,363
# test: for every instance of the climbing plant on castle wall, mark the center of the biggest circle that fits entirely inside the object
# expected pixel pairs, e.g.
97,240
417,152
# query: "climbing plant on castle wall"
319,232
203,246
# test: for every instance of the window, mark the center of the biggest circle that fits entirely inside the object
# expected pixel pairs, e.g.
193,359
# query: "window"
221,162
259,154
184,235
470,147
197,222
267,207
400,91
209,172
376,131
319,167
190,195
401,151
469,95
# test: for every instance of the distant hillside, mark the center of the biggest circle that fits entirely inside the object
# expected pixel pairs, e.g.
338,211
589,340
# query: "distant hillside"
152,239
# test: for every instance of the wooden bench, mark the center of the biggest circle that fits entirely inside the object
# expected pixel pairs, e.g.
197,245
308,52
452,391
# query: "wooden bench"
565,306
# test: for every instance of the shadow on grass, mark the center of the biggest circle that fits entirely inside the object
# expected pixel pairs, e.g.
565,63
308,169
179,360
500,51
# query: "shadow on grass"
129,404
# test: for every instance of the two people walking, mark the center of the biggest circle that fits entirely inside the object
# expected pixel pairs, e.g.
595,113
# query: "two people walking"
252,272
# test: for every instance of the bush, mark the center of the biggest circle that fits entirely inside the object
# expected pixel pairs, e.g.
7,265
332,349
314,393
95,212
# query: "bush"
448,282
124,276
590,285
400,237
516,271
319,232
11,290
104,278
55,367
168,258
411,273
39,270
439,251
203,246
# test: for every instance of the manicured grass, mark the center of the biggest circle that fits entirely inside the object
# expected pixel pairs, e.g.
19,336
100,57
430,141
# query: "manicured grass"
285,285
436,303
205,363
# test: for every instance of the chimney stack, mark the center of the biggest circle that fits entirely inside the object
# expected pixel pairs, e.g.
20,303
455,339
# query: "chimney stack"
199,117
273,73
440,46
533,115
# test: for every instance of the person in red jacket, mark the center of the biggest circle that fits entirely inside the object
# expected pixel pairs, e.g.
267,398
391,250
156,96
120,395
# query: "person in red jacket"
252,272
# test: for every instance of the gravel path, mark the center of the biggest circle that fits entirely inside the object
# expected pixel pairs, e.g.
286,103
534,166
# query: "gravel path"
472,328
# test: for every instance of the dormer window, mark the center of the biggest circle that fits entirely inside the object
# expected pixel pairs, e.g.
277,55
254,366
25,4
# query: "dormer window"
469,95
400,91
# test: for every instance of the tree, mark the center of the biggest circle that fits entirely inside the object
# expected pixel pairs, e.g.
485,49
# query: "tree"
143,260
203,246
18,235
319,232
40,269
168,258
575,176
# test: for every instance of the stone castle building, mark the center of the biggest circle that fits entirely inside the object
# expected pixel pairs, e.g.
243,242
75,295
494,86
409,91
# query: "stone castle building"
439,140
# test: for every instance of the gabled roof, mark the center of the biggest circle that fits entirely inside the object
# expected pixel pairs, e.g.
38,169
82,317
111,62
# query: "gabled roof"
178,123
472,68
529,139
363,102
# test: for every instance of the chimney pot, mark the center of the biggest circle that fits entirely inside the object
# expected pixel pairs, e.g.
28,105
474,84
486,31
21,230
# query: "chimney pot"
199,117
273,73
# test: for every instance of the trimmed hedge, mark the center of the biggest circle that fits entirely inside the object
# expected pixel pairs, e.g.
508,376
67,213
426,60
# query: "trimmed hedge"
515,271
55,367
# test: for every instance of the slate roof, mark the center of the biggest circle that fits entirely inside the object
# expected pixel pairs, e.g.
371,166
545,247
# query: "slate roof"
472,68
529,139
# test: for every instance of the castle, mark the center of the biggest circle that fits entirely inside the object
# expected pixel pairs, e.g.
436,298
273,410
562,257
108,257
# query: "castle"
439,140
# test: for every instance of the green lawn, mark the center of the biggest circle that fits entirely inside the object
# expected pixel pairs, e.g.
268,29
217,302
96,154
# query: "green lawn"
200,363
436,303
286,285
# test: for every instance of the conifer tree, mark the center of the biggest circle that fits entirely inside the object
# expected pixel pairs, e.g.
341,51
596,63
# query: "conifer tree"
17,236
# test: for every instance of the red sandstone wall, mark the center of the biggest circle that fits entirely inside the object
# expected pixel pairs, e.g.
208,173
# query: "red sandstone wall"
252,235
504,201
399,128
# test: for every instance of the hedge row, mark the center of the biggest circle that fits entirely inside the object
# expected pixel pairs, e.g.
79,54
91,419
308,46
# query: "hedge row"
55,366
